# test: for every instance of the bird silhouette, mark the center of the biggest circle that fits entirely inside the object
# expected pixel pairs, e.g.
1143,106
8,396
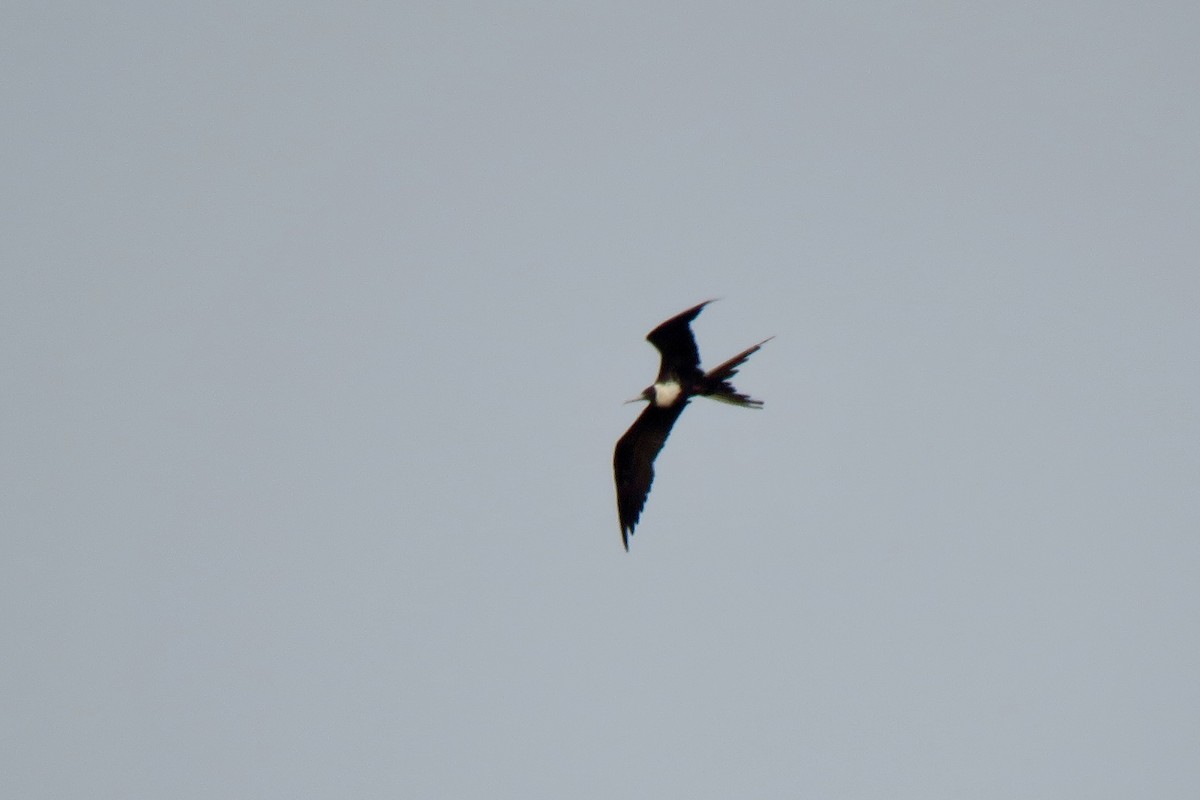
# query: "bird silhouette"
679,380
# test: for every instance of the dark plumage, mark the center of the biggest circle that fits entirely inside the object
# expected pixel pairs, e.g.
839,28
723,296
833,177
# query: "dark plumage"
679,379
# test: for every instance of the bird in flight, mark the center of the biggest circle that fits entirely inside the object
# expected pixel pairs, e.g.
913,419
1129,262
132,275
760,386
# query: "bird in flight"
679,379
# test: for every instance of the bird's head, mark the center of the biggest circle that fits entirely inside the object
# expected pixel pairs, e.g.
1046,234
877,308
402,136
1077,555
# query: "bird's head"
647,396
662,394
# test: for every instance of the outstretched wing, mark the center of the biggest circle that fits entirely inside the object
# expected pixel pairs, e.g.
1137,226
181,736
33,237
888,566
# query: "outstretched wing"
633,462
678,347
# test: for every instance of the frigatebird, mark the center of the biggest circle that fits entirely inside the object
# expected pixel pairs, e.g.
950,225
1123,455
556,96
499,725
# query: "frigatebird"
679,380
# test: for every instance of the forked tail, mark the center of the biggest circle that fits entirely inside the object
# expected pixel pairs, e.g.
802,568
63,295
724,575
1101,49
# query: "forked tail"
718,387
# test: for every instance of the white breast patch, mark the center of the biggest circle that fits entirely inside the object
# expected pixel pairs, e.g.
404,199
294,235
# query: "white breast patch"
665,394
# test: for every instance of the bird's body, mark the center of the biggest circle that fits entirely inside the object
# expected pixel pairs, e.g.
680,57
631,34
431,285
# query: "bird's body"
679,380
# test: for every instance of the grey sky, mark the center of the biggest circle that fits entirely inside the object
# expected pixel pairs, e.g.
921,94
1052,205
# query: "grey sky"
317,321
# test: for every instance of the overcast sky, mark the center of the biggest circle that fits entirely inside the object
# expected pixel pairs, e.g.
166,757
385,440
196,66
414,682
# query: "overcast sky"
316,321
